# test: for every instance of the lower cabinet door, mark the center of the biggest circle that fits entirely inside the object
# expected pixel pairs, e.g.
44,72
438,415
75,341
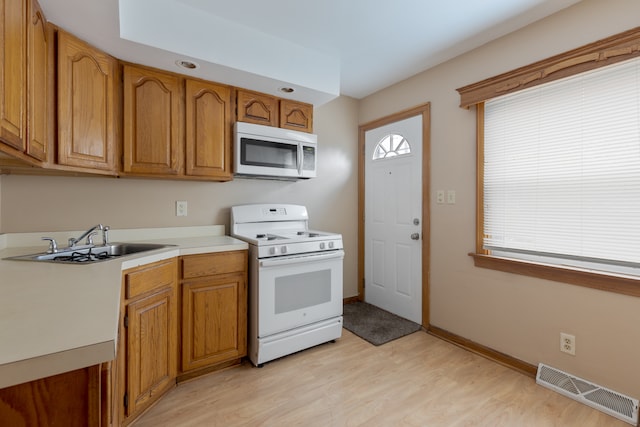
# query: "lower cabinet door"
214,326
71,399
151,348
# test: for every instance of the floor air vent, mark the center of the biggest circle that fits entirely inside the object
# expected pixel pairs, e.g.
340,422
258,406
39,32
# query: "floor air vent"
615,404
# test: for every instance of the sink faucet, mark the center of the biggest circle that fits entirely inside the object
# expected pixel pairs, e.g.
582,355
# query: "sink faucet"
88,234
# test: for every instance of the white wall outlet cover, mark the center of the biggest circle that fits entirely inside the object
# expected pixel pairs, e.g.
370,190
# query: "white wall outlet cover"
181,208
568,343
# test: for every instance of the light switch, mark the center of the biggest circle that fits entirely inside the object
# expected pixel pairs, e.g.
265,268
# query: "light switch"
451,197
440,197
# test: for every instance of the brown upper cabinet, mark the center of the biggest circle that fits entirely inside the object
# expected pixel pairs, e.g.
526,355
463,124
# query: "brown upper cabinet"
26,100
13,45
146,123
40,84
176,127
209,126
258,108
262,109
296,115
88,98
153,120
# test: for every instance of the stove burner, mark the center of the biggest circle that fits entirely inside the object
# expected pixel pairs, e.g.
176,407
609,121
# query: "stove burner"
308,234
267,236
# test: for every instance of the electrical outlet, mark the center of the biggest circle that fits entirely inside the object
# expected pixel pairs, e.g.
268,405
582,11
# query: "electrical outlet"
181,208
440,197
568,343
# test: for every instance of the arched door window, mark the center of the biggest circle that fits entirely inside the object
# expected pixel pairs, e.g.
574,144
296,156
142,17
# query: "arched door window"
391,145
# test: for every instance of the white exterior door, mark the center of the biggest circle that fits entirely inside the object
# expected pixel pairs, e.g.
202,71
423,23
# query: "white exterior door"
393,218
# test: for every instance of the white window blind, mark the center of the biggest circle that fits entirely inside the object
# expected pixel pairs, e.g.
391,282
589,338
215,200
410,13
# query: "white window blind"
562,169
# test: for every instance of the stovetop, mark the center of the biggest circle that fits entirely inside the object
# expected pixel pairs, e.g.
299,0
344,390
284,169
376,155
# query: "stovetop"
292,242
278,230
291,236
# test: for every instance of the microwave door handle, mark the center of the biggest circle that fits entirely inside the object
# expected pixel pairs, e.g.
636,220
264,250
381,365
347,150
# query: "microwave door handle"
300,159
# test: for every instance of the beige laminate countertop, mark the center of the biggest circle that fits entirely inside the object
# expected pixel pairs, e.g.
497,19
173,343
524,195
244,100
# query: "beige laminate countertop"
56,318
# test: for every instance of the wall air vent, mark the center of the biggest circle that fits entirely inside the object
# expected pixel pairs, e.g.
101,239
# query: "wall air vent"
615,404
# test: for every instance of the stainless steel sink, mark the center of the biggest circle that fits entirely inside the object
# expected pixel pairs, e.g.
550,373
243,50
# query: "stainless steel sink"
90,253
121,249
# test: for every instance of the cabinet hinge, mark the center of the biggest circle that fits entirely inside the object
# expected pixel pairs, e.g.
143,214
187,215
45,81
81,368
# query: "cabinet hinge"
126,321
126,400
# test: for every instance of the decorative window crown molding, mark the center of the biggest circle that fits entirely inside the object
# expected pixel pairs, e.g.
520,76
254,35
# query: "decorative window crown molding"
604,52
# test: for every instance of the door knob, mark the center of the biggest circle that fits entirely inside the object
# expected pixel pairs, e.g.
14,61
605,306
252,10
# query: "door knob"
415,236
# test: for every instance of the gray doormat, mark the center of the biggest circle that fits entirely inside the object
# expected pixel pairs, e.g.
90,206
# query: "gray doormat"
374,324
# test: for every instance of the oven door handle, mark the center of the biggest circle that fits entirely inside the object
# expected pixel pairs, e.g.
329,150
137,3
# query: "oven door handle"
277,262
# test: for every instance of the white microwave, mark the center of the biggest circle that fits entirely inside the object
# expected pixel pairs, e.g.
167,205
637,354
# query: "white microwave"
273,153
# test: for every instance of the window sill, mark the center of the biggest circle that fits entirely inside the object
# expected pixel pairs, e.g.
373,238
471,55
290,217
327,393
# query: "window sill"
610,282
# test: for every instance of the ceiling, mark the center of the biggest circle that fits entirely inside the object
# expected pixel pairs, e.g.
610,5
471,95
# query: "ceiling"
320,48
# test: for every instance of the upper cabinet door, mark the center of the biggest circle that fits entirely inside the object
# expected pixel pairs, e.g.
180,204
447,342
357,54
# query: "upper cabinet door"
87,129
296,115
153,136
13,42
208,130
40,103
257,108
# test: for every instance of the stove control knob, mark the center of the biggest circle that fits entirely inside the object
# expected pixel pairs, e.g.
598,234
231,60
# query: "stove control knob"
330,245
283,249
272,251
322,245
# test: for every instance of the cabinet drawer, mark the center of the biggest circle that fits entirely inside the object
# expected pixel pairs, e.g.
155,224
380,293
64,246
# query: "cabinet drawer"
153,276
214,263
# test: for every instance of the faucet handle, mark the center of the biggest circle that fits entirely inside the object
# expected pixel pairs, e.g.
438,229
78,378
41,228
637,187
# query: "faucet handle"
89,240
53,246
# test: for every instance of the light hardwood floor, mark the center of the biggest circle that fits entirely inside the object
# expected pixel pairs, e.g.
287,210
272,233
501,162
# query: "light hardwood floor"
417,380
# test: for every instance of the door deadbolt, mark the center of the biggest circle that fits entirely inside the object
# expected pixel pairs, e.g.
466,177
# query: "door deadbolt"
416,221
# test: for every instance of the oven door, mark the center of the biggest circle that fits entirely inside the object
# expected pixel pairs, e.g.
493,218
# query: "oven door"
298,290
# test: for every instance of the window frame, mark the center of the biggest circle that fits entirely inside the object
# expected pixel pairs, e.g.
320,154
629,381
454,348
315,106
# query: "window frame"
604,52
397,154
